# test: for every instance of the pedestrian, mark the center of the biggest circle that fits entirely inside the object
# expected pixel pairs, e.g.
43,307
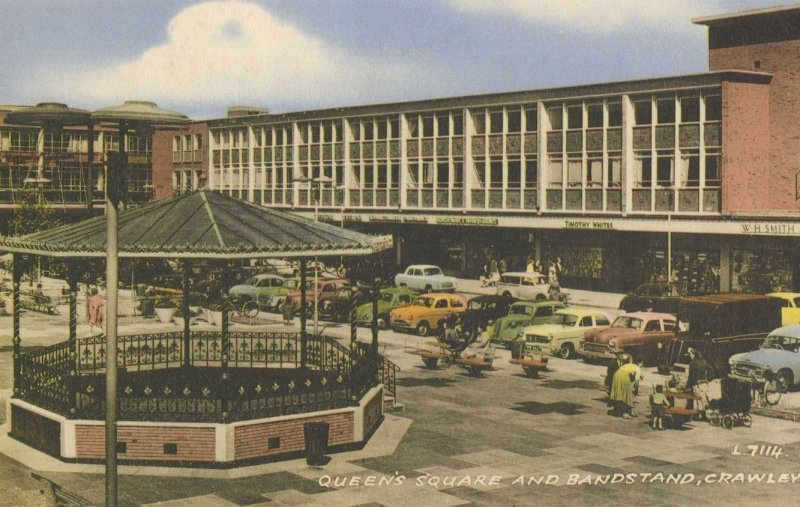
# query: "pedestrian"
699,369
554,292
658,407
287,311
97,308
559,267
537,266
612,368
501,266
623,387
493,266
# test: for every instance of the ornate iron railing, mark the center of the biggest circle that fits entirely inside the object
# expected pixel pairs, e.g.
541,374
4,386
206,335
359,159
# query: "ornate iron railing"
262,377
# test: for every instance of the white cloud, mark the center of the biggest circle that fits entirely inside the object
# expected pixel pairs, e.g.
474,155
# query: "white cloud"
236,53
596,16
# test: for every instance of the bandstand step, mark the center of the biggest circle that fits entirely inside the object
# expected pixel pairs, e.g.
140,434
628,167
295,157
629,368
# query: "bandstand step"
391,405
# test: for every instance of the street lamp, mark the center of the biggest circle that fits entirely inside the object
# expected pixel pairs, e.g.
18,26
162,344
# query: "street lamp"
318,181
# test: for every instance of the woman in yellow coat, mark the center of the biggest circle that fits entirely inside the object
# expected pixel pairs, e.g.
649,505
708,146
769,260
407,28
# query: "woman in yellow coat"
622,387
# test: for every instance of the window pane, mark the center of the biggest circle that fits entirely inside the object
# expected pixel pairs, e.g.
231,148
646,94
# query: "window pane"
411,175
496,122
594,173
666,111
690,168
574,171
394,127
458,174
531,119
479,121
643,167
690,109
713,108
555,170
368,130
382,129
644,112
480,174
531,172
614,169
556,120
413,126
665,168
427,126
713,164
458,125
443,125
443,174
496,174
514,120
514,174
595,115
615,114
575,117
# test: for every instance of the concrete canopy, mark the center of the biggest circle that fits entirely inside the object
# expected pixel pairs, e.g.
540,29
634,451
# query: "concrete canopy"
200,225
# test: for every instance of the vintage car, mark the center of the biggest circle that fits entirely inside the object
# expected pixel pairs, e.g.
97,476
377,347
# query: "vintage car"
427,313
325,289
427,278
272,298
720,326
790,312
250,288
640,334
388,300
563,336
485,310
780,353
523,285
653,297
506,330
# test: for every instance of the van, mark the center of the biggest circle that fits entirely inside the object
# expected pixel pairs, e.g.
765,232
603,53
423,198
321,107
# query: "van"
523,285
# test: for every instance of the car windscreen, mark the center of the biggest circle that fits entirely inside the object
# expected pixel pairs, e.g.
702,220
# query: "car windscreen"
423,301
520,310
781,343
432,271
565,319
387,297
629,322
475,305
251,281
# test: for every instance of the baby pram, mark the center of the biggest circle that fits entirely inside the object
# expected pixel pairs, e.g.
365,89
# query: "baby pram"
727,402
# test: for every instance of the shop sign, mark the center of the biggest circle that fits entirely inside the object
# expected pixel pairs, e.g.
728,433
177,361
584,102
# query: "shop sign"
770,229
589,224
466,221
415,220
352,218
325,218
384,218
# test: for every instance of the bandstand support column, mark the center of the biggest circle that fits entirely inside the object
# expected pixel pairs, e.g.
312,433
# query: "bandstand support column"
226,350
89,167
376,294
187,267
73,337
303,331
16,275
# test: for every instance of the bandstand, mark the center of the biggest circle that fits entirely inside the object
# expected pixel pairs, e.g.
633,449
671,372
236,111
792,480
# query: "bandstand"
215,398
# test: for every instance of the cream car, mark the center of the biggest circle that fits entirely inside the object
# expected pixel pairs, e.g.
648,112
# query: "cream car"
523,285
562,337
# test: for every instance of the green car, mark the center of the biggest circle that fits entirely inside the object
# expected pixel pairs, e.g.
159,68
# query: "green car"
272,297
390,299
506,330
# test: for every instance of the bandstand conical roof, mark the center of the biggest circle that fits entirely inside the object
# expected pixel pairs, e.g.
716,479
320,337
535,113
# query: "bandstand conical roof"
200,224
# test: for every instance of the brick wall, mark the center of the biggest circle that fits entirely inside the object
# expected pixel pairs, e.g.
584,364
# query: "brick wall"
162,164
252,440
147,442
782,59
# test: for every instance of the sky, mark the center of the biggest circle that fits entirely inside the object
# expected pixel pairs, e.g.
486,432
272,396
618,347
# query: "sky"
200,57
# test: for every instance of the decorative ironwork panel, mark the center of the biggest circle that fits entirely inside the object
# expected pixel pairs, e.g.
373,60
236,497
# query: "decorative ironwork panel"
394,198
614,139
495,198
554,200
278,153
442,147
303,154
338,151
289,152
427,147
458,198
268,154
369,150
478,199
478,146
327,152
496,145
665,137
412,198
594,199
314,152
355,198
574,199
380,150
689,200
367,198
555,142
427,198
355,151
458,146
641,199
689,136
614,200
394,149
380,198
712,134
442,199
665,200
531,143
412,147
642,138
530,199
575,141
711,200
513,142
594,140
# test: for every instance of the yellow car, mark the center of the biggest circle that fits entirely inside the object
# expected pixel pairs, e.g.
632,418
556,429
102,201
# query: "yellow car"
427,312
790,313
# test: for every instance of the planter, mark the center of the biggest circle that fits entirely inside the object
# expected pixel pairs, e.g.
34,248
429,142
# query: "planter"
165,314
196,310
214,317
179,321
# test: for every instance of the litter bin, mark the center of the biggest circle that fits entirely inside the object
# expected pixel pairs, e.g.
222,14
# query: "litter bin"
316,438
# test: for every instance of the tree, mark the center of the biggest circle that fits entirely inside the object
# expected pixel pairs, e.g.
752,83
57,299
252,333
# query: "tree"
32,214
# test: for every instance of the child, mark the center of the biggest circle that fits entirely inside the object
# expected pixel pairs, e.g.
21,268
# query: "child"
658,407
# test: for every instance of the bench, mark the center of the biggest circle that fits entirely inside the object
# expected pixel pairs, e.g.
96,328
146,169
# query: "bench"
474,365
56,495
530,365
430,357
37,302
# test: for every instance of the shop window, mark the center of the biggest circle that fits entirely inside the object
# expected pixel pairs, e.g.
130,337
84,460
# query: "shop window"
643,170
665,168
458,125
643,112
574,171
427,126
514,174
531,172
496,176
595,115
614,169
690,168
614,114
479,122
575,117
665,109
443,125
690,109
514,119
496,122
556,118
713,108
594,171
531,119
555,170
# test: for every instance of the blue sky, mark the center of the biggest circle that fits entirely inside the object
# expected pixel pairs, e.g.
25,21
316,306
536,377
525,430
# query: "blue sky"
200,57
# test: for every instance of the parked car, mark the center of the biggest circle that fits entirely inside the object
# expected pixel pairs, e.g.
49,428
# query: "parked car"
521,314
653,297
389,300
640,334
427,278
483,311
325,289
563,336
427,312
523,285
720,326
790,311
780,353
338,307
273,297
249,290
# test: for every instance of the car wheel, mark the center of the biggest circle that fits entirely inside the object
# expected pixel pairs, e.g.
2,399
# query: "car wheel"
403,285
786,379
567,351
531,372
540,297
423,328
428,288
507,295
383,322
430,362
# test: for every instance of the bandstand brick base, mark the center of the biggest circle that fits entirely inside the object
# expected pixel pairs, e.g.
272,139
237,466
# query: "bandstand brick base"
193,444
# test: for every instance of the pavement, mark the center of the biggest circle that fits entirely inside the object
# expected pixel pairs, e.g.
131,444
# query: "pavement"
503,439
